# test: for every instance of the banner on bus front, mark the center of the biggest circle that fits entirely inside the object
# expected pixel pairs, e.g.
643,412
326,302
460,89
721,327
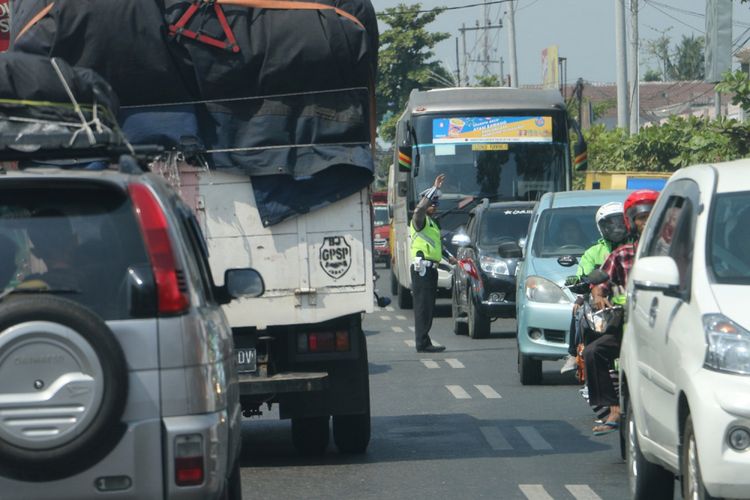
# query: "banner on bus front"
457,130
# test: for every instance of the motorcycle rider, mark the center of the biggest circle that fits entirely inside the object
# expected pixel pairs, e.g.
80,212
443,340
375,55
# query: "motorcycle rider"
600,354
611,224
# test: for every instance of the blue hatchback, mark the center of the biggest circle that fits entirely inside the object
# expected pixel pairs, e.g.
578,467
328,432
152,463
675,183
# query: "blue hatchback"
562,227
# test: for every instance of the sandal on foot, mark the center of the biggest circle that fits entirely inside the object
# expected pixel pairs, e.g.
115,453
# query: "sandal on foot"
606,428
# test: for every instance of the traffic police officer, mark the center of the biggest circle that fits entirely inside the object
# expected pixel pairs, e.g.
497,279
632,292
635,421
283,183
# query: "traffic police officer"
426,252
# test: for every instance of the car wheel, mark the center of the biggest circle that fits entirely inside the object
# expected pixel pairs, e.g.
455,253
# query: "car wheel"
646,480
529,370
459,327
692,481
404,298
351,433
59,359
479,324
394,284
310,435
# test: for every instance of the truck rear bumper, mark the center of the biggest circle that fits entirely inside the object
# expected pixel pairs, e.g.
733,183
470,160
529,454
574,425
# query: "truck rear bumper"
283,383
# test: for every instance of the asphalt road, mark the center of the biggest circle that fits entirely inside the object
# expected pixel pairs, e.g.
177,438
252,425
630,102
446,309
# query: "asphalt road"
457,424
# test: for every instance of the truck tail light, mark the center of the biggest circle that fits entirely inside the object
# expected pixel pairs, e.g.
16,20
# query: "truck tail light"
170,282
319,342
188,460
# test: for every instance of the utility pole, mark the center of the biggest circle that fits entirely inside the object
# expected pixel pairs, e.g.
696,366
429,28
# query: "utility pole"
633,70
485,61
466,58
458,67
510,19
622,73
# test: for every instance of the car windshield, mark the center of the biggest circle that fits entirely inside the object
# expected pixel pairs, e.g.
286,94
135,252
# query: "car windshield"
381,216
504,224
565,231
729,243
70,239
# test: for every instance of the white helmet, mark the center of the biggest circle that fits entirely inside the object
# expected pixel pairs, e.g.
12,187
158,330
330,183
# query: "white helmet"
610,220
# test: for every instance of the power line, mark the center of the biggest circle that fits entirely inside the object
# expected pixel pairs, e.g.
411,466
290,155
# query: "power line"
458,7
653,6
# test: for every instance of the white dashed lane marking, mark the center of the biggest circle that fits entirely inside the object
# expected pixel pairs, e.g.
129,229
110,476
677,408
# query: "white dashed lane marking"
429,363
390,309
458,392
410,343
488,392
534,439
385,318
454,363
397,329
582,492
401,317
495,438
535,492
411,328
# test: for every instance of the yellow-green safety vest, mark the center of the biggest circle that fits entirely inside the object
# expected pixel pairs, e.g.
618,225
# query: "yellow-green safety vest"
427,241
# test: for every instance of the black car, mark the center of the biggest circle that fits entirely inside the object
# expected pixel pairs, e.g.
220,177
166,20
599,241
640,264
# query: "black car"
484,279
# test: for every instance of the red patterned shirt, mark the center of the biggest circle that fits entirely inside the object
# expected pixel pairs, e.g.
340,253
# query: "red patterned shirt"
618,264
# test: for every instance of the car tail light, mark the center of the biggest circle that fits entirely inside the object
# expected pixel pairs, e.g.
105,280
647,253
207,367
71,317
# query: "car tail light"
188,460
320,342
468,266
170,284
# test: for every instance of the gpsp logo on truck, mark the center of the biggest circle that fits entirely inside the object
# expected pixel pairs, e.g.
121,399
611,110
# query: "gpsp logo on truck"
335,256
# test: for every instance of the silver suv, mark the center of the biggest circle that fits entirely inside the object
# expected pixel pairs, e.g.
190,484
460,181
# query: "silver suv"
117,378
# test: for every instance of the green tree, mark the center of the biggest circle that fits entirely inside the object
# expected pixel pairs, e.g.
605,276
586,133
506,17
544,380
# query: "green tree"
406,62
689,58
736,83
487,81
651,75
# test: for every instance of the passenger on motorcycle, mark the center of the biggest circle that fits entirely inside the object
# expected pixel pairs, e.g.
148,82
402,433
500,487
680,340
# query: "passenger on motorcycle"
600,354
611,224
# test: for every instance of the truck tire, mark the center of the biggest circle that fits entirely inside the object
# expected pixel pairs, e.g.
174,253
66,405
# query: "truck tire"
351,433
404,298
84,380
310,435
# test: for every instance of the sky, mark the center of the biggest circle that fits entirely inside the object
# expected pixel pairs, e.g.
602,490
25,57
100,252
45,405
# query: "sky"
583,30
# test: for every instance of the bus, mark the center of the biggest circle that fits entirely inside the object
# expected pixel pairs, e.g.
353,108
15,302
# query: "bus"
502,144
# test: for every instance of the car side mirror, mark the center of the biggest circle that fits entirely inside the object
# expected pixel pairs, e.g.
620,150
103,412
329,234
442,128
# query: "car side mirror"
240,283
656,274
461,240
509,250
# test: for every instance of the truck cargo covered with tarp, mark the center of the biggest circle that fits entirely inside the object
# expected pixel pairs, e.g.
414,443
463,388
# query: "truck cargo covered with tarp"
283,91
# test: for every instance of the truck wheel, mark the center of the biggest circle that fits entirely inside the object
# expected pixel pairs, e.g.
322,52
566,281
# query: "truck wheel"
75,371
351,433
310,435
529,370
394,284
404,298
479,324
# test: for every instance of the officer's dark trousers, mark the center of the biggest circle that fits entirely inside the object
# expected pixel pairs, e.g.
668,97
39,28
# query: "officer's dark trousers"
599,356
423,290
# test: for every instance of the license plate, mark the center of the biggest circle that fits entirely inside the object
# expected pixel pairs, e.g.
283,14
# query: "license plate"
246,359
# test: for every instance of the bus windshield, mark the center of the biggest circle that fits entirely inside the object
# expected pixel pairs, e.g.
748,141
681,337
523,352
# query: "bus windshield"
501,158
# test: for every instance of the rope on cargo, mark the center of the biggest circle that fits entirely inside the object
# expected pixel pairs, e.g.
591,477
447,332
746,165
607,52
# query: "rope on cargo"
286,146
248,98
85,126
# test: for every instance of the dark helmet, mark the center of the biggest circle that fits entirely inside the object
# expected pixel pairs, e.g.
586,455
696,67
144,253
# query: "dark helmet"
640,201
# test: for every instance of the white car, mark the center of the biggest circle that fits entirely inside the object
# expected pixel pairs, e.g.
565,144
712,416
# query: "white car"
685,357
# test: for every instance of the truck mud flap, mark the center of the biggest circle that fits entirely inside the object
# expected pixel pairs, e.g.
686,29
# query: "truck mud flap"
283,383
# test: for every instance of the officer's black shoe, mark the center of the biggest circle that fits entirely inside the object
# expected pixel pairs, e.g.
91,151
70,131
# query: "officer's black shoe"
432,348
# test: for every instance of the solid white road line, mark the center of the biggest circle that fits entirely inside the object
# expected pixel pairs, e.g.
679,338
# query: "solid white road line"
397,329
429,363
385,318
533,437
495,438
401,317
535,492
488,392
454,363
582,492
410,343
458,392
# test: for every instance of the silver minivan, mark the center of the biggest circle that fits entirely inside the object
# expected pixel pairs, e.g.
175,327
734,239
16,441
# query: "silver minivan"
117,377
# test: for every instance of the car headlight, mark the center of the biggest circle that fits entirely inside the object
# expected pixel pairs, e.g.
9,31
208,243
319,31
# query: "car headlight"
492,265
728,345
541,289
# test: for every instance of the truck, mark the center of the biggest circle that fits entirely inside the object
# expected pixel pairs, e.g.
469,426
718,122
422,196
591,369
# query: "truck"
502,144
381,228
268,134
